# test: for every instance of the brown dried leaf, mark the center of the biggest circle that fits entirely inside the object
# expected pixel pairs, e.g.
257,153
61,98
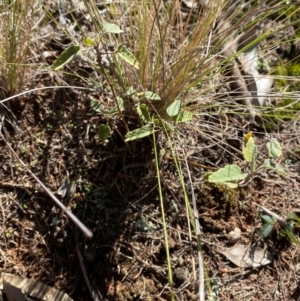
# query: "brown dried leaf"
248,257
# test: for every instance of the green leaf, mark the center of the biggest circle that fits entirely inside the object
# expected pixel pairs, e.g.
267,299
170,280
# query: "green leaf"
128,57
97,106
230,184
293,216
265,229
115,110
120,102
229,173
250,150
139,133
130,91
183,117
152,96
88,42
156,122
171,127
66,56
111,28
274,148
268,219
104,131
276,167
280,169
144,112
267,163
291,236
289,226
174,108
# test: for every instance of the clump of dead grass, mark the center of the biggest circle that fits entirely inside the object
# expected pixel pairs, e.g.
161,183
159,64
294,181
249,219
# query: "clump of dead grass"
14,45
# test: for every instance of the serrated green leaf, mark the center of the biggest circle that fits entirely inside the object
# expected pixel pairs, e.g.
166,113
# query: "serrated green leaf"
174,108
274,148
250,150
97,106
66,56
182,117
114,111
265,229
143,112
229,173
104,132
130,91
128,57
111,28
152,96
139,133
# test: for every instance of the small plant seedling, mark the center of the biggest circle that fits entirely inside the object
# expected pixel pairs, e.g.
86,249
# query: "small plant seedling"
268,224
104,132
231,174
9,233
287,225
72,51
173,110
150,122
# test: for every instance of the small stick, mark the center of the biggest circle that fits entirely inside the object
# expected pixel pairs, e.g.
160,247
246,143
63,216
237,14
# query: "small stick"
78,223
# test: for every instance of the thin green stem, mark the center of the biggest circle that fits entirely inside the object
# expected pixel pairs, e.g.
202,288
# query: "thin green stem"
163,216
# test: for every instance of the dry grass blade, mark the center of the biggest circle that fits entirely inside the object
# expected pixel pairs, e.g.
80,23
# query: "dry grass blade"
197,224
15,39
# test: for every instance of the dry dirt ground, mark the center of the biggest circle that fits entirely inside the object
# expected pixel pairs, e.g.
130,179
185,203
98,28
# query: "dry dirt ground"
116,195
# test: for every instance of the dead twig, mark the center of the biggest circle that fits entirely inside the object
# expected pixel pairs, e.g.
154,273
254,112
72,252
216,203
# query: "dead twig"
96,295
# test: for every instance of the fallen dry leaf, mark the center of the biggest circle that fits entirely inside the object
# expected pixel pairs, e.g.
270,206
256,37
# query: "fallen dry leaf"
248,257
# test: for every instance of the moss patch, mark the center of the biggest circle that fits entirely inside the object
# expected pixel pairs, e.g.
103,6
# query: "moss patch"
222,199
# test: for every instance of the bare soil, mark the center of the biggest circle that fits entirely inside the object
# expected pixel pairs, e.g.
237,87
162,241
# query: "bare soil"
116,195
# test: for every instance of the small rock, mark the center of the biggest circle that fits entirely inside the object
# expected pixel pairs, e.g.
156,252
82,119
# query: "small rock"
171,243
234,236
180,275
